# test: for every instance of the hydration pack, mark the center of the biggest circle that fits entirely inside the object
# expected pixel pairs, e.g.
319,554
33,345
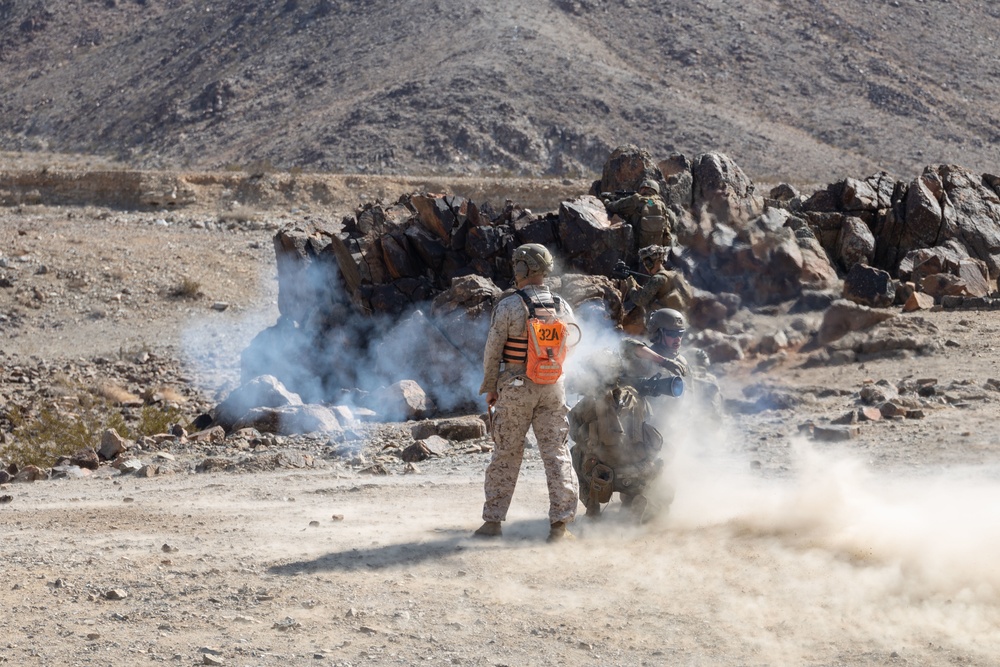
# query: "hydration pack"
547,344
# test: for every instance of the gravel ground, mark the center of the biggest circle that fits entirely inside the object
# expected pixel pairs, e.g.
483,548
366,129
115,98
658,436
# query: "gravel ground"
781,548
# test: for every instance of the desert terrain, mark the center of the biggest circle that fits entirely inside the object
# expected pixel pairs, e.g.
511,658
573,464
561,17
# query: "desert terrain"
780,548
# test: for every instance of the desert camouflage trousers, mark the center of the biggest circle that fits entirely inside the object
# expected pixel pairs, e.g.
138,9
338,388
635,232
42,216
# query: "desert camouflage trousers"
543,408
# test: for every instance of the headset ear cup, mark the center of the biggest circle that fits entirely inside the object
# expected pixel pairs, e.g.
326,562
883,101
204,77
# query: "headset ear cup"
520,269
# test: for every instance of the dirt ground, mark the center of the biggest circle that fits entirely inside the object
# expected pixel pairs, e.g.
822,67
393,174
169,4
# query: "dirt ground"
779,549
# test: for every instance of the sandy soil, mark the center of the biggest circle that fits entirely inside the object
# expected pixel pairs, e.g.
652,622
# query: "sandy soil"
779,549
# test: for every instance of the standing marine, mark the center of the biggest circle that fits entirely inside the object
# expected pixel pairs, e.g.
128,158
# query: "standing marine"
651,220
519,402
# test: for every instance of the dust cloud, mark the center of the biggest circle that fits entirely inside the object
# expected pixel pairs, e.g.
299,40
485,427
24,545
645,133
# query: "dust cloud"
826,552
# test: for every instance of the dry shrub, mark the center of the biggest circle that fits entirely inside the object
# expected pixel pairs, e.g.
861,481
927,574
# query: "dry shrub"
239,214
155,419
187,289
42,439
116,394
166,395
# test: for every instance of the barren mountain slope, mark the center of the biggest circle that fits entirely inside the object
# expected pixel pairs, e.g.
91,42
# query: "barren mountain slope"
805,92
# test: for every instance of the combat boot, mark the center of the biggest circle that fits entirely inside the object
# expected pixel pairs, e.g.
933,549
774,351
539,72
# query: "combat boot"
489,529
557,532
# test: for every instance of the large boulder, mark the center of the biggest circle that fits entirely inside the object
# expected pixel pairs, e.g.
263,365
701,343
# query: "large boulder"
401,401
945,202
261,392
721,189
626,169
869,287
676,171
589,238
290,420
855,244
843,317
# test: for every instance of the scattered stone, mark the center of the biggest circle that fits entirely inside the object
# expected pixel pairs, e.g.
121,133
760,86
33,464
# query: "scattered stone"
918,301
4,499
890,409
869,414
212,435
30,474
115,594
128,466
835,433
849,418
287,623
69,472
843,317
454,429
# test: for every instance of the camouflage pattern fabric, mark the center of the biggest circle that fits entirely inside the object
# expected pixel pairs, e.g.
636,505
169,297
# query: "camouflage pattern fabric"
610,429
510,319
649,217
664,289
523,403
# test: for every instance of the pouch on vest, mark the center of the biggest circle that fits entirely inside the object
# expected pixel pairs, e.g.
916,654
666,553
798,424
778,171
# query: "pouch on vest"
546,342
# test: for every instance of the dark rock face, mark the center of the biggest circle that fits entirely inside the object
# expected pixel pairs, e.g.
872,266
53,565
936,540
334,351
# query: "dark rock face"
869,287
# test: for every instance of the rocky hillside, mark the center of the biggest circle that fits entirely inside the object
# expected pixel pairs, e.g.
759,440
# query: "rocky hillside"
806,92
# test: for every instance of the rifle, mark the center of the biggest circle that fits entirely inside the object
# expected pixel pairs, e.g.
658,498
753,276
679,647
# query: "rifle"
617,194
621,271
660,385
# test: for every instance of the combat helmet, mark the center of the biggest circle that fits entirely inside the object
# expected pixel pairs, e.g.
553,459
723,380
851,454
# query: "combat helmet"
666,319
651,184
531,259
652,252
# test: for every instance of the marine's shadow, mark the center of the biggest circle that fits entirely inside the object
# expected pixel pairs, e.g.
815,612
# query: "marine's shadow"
516,534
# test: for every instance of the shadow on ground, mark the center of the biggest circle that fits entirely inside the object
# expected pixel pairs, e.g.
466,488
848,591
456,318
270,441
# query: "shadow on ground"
517,534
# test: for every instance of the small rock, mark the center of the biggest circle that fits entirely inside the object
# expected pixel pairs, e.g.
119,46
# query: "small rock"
31,474
112,445
869,414
835,433
115,594
890,410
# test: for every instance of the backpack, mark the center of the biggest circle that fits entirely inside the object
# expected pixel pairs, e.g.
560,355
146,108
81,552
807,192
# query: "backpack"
547,342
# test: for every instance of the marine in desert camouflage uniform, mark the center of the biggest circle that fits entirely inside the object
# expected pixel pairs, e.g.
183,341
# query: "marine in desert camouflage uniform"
651,219
663,289
520,403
